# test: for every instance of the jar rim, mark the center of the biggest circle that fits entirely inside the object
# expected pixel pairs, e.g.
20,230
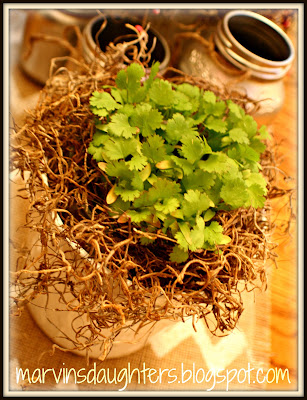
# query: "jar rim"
235,51
89,41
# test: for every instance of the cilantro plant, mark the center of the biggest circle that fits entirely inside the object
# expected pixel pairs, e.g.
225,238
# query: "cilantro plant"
176,155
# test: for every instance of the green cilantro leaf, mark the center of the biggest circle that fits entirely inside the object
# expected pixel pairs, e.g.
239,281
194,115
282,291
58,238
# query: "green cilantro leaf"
161,189
130,81
117,95
139,215
219,163
131,188
136,182
177,128
96,152
120,206
178,255
252,178
137,162
168,205
119,169
191,91
119,148
101,112
263,133
146,119
210,106
193,94
243,153
234,193
198,180
153,72
185,165
257,145
154,148
119,126
216,124
235,111
256,196
99,138
209,214
161,93
103,100
127,109
126,193
193,148
195,203
100,127
216,109
213,235
209,97
191,239
248,124
183,236
181,102
238,135
198,234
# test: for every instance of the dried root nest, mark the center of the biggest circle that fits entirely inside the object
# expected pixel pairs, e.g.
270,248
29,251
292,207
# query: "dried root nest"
53,143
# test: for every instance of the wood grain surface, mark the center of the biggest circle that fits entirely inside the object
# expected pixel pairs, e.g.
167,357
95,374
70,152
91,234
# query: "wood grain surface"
284,278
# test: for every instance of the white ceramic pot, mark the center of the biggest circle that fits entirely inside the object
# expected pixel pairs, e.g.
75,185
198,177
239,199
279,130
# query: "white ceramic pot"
57,322
53,318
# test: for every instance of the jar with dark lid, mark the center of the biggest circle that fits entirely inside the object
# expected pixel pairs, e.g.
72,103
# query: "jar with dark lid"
107,29
252,55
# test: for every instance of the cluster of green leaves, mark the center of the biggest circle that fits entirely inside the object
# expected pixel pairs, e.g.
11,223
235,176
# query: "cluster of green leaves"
176,155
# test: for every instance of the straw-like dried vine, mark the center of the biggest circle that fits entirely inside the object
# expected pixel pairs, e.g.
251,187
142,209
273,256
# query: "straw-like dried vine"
119,283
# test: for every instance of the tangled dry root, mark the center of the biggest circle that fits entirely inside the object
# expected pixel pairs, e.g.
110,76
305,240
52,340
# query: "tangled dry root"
119,282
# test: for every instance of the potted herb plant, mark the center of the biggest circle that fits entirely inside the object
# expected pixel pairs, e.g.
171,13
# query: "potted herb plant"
152,209
175,156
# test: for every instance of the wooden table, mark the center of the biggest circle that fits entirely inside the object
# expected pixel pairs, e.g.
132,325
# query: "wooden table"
284,279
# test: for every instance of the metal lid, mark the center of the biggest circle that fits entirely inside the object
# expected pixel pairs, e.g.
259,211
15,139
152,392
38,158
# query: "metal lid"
252,42
69,16
81,13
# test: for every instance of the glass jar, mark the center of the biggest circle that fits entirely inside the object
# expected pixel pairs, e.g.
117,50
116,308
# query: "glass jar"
42,28
250,54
